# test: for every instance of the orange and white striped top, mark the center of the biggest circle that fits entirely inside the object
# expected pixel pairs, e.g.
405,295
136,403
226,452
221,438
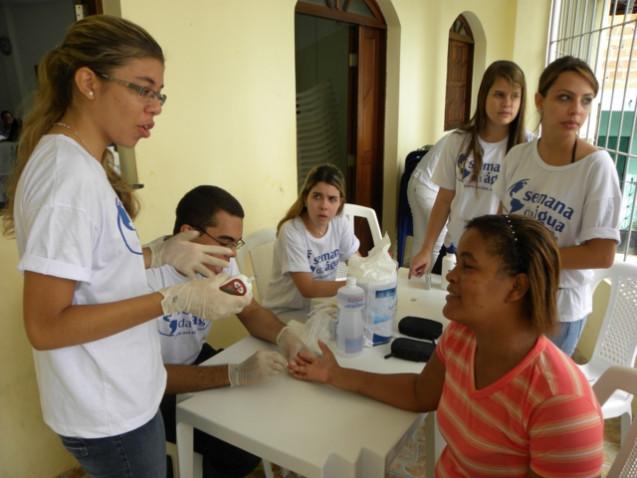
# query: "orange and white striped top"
542,415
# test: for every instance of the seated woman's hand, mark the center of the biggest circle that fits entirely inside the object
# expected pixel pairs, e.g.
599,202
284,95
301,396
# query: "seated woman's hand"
313,368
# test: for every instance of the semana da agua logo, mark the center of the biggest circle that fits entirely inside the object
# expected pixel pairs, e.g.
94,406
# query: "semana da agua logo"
127,229
549,210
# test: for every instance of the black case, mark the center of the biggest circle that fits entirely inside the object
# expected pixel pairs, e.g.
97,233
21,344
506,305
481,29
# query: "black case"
420,328
410,349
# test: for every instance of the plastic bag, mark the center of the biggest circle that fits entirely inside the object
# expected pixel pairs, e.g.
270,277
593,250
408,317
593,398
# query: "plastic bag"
377,275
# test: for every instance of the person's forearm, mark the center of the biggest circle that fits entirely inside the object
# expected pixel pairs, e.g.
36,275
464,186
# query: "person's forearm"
594,254
322,288
260,322
51,323
193,378
398,390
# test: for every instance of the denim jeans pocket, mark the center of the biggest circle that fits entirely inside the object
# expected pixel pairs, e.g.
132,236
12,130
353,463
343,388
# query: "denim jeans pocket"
76,446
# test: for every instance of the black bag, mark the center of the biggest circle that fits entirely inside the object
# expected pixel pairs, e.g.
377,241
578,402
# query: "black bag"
420,328
410,349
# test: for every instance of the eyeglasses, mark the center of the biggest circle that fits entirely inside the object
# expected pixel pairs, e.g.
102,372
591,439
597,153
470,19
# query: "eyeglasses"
222,241
143,91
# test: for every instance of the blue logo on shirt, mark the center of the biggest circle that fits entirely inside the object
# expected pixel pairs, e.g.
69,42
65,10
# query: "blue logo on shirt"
488,172
182,324
325,263
126,228
551,211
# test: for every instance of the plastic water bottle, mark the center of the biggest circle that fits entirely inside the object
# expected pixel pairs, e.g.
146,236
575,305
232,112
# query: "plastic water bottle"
349,331
448,263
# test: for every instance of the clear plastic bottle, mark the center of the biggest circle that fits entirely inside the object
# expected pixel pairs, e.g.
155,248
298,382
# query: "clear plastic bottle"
349,330
448,263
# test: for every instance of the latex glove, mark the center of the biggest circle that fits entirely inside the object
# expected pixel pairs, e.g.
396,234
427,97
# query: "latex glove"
289,343
186,256
261,365
203,298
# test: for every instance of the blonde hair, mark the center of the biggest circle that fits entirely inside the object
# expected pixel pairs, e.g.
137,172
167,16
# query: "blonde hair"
323,173
101,43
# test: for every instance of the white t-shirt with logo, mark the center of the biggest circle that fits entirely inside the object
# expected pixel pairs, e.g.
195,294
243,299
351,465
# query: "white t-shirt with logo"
70,224
181,334
472,198
296,250
576,202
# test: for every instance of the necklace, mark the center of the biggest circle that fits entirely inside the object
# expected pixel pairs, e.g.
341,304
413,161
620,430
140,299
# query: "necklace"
73,132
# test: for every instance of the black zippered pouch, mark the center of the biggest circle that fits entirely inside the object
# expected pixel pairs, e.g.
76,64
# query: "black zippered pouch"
420,328
410,349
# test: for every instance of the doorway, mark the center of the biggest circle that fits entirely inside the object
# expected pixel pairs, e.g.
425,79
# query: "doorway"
459,74
340,86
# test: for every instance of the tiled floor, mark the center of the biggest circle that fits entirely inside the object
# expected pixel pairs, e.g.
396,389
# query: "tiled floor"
410,461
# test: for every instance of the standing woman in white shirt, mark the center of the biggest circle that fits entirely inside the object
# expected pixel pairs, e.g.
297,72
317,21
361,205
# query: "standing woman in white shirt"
471,159
88,311
570,186
312,238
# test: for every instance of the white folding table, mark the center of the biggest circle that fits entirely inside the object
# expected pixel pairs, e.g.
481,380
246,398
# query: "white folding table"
313,429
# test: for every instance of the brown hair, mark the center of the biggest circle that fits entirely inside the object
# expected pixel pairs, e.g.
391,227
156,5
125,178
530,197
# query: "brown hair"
525,246
323,173
101,43
564,64
511,72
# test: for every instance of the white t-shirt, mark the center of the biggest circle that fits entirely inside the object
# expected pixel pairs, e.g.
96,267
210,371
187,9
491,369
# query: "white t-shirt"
424,170
576,202
69,223
296,250
472,198
182,334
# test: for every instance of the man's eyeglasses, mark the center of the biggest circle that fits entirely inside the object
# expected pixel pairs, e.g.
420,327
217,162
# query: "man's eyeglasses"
223,241
143,91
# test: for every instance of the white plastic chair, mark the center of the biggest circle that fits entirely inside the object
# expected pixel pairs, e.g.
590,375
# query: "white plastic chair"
256,256
351,210
620,380
616,343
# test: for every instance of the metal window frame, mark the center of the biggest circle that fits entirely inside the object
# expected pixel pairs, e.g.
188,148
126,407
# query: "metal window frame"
585,29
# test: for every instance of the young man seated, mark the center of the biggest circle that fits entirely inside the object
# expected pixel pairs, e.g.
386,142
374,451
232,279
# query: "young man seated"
218,216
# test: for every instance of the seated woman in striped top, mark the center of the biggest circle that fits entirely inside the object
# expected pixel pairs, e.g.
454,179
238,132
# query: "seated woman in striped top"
509,402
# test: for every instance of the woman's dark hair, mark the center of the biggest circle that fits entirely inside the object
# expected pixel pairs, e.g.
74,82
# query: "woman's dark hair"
525,246
564,64
199,205
323,173
511,72
101,43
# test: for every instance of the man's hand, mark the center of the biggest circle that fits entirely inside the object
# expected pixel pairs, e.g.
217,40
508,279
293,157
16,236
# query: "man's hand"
260,366
186,256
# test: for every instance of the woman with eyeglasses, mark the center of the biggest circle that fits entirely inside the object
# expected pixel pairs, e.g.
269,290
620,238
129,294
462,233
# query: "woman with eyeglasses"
87,307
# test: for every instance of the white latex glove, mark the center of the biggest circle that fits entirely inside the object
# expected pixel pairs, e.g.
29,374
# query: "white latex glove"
289,343
203,298
261,365
186,256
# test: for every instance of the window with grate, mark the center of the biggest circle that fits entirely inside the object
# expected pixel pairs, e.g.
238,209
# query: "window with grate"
602,32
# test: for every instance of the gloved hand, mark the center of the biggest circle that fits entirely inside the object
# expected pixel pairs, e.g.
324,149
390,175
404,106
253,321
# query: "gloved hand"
289,343
203,298
186,256
256,368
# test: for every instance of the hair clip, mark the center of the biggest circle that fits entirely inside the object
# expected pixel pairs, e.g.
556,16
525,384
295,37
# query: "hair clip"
511,228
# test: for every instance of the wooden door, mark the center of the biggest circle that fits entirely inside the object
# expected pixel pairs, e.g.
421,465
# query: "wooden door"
459,73
369,131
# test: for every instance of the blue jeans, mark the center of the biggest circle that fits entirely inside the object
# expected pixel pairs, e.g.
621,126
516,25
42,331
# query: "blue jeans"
568,335
140,453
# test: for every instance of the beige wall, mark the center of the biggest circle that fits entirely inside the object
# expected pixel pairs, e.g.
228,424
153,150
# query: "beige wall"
229,120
